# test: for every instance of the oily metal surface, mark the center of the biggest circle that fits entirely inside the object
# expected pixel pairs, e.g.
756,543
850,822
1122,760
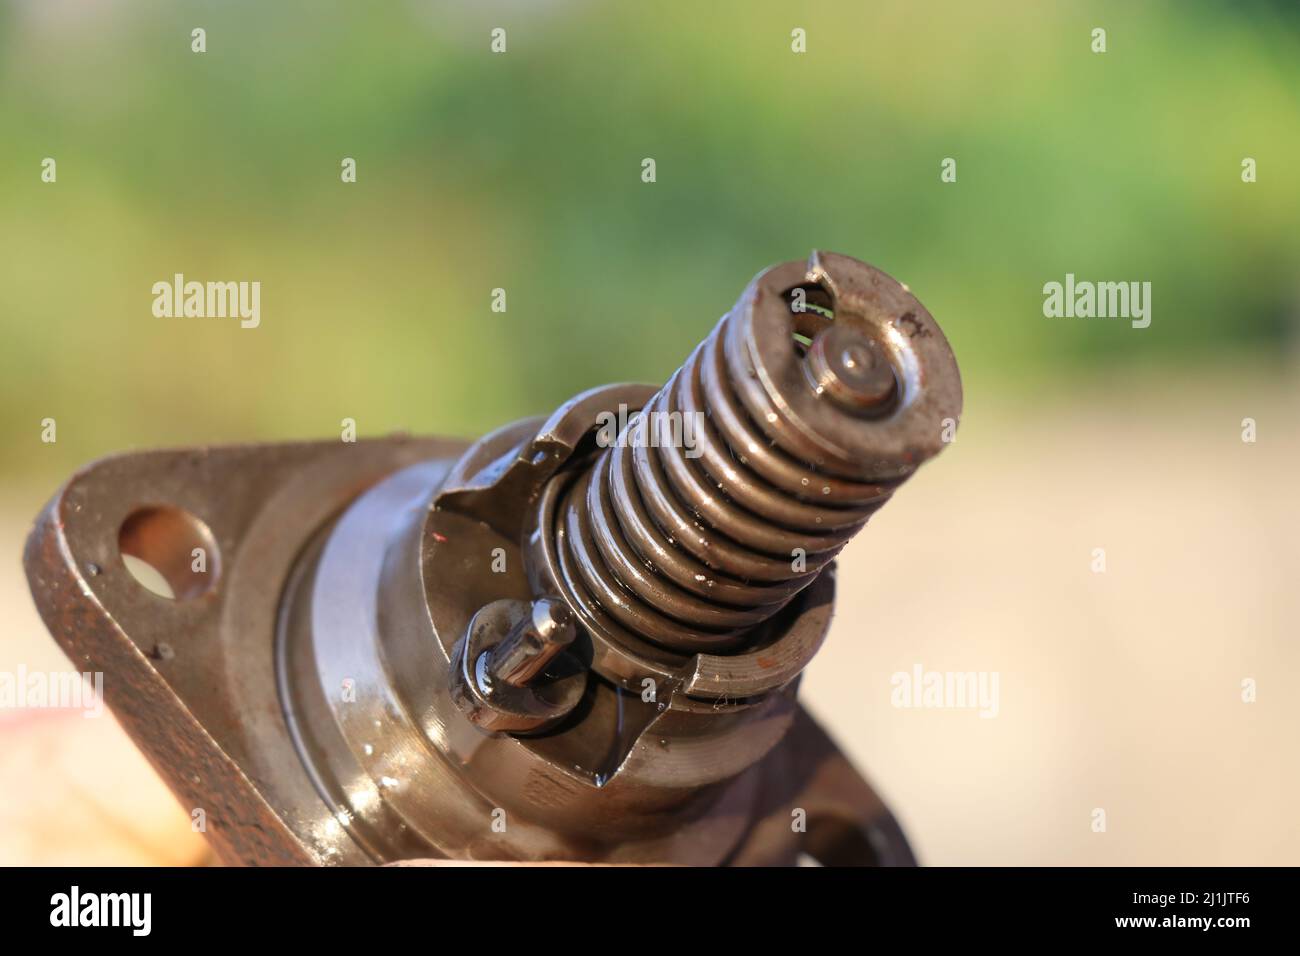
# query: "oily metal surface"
400,762
395,645
807,780
194,682
528,462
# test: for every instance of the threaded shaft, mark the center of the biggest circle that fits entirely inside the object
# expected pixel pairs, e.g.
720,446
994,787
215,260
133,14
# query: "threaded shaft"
689,551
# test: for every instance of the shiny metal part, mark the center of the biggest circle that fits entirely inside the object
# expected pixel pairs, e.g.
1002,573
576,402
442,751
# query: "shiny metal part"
556,643
509,676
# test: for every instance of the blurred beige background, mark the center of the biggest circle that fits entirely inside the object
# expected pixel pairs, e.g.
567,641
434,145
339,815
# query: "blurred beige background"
1120,690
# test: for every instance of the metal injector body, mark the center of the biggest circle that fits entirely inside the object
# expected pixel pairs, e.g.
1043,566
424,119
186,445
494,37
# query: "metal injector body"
562,642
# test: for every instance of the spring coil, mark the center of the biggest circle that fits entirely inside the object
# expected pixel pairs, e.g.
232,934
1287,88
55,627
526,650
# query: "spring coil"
691,551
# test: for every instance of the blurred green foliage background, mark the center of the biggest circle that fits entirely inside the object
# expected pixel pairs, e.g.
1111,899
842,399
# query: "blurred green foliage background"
522,171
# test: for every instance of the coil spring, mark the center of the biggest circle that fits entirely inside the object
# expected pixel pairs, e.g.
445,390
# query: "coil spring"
691,551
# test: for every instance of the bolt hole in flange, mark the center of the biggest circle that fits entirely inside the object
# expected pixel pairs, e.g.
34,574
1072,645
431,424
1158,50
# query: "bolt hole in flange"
169,552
